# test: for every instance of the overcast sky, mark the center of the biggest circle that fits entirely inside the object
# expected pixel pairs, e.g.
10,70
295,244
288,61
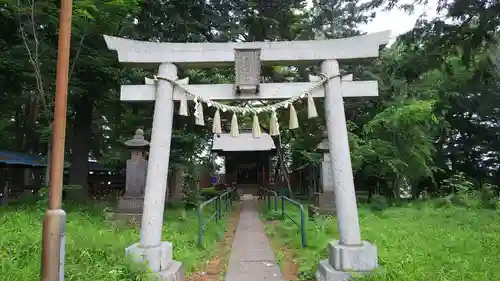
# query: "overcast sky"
398,22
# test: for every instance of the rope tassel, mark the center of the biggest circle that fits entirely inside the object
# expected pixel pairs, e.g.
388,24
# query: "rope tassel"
311,107
216,127
256,133
274,125
183,108
199,119
235,131
294,121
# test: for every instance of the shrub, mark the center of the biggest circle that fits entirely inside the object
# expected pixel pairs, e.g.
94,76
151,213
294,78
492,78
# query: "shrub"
458,183
209,192
464,194
220,187
488,198
191,188
175,205
272,215
379,203
236,196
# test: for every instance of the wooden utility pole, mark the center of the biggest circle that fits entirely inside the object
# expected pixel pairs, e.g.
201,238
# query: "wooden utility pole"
54,223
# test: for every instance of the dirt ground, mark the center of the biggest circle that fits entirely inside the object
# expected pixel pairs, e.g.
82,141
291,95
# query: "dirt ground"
289,267
215,268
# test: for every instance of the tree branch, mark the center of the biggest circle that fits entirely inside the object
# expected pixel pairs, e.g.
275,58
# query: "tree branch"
77,55
34,58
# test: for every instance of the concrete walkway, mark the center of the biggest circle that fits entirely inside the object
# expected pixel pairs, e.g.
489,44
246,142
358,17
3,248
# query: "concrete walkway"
252,258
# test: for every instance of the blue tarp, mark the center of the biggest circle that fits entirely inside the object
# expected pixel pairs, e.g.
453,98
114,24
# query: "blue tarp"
18,158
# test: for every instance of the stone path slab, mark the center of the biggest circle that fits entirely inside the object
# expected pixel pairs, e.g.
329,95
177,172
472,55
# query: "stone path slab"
252,258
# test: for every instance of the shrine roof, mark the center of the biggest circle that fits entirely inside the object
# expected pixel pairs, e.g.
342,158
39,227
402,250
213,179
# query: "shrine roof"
244,142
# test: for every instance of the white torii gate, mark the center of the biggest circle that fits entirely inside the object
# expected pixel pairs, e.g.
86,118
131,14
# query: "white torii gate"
349,253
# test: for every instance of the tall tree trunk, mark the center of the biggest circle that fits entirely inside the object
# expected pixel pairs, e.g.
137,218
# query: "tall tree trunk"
177,183
30,142
281,160
80,148
49,160
18,129
284,169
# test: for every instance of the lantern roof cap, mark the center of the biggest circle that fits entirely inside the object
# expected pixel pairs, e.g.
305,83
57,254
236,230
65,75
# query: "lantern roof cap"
323,145
138,140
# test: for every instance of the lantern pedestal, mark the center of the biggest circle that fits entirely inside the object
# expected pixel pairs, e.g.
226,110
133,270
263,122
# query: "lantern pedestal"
325,204
131,204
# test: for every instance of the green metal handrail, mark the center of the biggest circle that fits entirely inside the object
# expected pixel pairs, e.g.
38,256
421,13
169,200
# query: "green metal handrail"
217,214
302,225
268,198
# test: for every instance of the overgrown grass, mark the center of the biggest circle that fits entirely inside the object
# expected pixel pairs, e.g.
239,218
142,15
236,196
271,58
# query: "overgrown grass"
417,242
95,248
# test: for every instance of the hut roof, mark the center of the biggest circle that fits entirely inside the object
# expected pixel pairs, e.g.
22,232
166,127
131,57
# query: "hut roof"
22,159
244,142
29,160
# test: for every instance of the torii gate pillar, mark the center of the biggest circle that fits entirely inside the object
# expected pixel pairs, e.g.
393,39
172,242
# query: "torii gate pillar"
349,253
157,253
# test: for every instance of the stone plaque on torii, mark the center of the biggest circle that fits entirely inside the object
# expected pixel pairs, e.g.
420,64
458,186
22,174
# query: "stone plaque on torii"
349,253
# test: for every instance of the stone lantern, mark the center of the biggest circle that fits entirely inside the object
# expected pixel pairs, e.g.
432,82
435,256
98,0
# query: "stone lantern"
132,202
326,200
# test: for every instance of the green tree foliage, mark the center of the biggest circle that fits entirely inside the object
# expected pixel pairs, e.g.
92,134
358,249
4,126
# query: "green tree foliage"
437,113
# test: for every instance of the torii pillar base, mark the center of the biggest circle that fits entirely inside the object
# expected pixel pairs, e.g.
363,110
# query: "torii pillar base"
347,262
170,270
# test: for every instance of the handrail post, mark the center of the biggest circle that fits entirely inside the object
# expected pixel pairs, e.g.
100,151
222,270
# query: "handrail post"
283,207
217,208
222,210
303,226
220,207
227,201
217,200
267,196
200,226
230,194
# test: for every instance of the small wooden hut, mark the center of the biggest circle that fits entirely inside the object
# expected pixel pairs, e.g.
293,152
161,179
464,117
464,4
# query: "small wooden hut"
246,160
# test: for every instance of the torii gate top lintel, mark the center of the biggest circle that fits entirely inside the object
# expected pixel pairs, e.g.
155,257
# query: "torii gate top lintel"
222,54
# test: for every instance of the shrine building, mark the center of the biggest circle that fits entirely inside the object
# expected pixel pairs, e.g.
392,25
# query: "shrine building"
247,160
